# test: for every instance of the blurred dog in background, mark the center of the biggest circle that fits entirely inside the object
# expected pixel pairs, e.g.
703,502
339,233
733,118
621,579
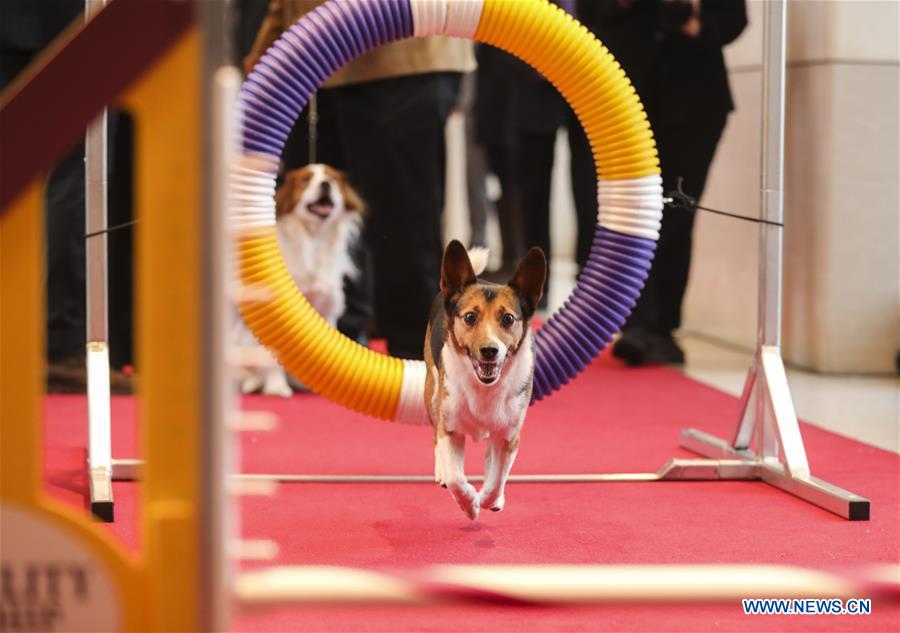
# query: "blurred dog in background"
318,218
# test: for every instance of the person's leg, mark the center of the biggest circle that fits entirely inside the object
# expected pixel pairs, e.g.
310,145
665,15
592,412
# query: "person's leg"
584,188
687,152
632,345
476,185
509,207
121,242
392,134
534,174
247,16
65,258
476,164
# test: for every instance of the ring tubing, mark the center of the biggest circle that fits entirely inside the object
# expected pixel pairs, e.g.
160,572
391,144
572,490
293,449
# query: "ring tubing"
556,45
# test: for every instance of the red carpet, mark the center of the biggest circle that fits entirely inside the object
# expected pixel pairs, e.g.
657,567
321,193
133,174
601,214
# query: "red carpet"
609,420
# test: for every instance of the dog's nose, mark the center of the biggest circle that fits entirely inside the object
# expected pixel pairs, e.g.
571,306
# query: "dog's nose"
489,352
325,187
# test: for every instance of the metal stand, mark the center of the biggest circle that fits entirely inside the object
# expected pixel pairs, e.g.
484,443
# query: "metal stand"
767,417
97,353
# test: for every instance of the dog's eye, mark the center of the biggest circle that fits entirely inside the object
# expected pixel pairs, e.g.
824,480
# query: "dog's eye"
470,318
507,320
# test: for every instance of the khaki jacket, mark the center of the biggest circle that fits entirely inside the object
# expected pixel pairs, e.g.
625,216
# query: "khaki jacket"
406,57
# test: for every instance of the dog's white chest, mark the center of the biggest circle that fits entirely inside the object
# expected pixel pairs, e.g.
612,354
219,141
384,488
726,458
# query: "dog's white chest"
318,263
480,410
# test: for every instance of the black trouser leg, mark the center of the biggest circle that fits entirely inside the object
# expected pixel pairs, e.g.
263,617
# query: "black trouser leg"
65,258
689,154
535,170
686,151
476,185
392,134
509,206
121,242
584,188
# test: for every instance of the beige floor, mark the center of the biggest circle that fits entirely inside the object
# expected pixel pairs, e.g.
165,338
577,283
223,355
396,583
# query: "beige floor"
865,408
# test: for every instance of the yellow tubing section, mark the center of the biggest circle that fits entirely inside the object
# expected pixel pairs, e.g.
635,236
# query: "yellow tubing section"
310,349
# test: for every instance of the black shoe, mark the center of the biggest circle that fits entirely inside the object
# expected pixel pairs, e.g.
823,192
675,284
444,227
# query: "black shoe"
69,375
662,348
631,347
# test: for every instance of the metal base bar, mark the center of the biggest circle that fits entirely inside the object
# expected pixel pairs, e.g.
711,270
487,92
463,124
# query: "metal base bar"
128,469
722,463
101,494
821,493
674,470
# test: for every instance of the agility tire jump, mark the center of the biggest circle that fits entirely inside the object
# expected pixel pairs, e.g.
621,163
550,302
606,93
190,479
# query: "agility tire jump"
573,60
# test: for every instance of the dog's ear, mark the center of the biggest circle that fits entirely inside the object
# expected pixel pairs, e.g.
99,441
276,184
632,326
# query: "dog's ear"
352,201
456,269
528,280
288,193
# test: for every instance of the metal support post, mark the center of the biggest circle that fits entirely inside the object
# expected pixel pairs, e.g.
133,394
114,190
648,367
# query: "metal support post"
767,418
216,525
97,352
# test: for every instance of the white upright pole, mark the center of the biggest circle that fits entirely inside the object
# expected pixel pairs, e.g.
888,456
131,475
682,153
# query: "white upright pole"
97,353
772,175
769,414
217,515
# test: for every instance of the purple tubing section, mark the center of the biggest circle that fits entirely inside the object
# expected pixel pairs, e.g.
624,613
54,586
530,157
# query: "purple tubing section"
604,295
309,52
336,32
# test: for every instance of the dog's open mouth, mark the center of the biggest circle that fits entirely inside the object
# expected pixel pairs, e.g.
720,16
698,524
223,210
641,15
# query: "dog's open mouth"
321,208
487,372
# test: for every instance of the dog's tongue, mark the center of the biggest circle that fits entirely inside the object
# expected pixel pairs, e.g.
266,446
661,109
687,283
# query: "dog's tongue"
487,372
321,208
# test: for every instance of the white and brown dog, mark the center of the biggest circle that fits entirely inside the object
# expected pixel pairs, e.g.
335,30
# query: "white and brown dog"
479,354
318,217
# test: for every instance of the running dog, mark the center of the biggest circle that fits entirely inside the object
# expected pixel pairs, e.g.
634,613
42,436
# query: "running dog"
479,355
318,217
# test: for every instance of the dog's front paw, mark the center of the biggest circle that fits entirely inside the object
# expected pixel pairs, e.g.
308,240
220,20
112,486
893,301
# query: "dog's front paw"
277,387
251,383
493,500
466,498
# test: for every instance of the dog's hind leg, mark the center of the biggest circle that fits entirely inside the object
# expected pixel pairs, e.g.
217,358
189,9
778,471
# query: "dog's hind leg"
502,453
438,476
451,448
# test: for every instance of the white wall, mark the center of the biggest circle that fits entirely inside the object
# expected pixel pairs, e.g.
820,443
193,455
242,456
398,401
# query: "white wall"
721,299
842,202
